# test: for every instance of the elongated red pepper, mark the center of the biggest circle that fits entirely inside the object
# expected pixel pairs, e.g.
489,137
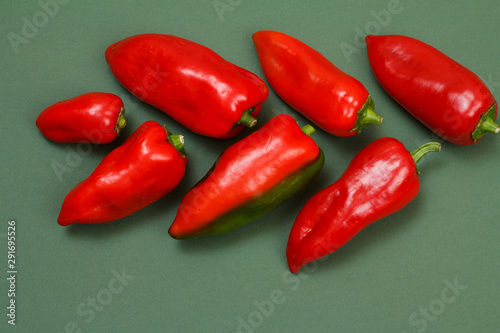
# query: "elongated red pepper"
189,82
147,166
249,179
313,86
445,96
94,117
380,180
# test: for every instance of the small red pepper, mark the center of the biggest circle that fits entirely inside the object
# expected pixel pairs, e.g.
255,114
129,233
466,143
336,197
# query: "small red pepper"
445,96
92,117
249,179
147,166
380,180
189,82
313,86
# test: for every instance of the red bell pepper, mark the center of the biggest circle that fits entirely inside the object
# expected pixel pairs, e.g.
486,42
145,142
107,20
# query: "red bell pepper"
445,96
380,180
249,179
147,166
313,86
92,117
189,82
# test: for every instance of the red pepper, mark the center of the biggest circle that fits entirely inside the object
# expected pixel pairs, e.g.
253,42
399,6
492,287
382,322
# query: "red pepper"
189,82
313,86
92,117
147,166
380,180
249,179
445,96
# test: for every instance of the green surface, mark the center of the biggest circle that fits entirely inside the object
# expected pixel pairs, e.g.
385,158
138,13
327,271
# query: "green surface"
395,276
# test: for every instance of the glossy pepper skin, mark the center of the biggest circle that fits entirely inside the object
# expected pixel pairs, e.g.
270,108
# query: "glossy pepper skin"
94,117
445,96
147,166
380,180
249,179
313,86
189,82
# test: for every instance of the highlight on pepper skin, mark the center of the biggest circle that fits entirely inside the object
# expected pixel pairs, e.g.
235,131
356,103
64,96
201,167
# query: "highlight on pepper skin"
442,94
144,168
189,82
380,180
233,194
313,86
94,117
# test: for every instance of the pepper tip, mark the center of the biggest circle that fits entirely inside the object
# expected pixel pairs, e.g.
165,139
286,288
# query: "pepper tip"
64,223
294,267
174,231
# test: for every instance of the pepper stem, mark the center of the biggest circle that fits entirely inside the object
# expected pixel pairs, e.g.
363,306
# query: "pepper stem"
120,122
366,116
308,130
421,151
486,124
247,119
176,140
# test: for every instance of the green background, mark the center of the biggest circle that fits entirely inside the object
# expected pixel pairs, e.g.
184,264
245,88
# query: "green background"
392,277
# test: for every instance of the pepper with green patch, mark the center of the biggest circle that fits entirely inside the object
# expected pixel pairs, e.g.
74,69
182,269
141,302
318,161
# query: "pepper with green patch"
249,179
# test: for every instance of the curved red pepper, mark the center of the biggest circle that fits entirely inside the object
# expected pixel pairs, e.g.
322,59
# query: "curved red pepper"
445,96
189,82
313,86
92,117
380,180
249,179
147,166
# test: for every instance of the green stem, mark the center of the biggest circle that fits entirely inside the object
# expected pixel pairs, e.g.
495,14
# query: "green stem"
486,124
176,140
423,150
308,130
247,119
120,122
367,116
